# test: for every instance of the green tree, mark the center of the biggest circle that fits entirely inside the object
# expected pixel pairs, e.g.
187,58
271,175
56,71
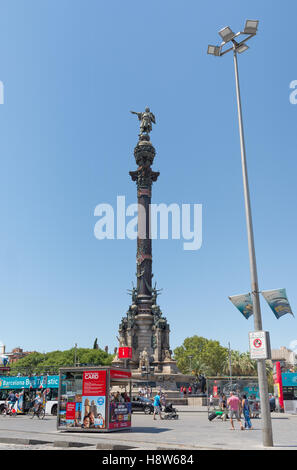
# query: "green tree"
236,364
214,355
191,347
95,346
39,363
248,365
208,356
243,365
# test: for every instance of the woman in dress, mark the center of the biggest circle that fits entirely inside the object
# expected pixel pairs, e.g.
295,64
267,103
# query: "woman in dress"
246,412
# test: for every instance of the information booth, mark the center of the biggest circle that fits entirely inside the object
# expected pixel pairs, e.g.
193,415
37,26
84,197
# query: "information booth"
94,399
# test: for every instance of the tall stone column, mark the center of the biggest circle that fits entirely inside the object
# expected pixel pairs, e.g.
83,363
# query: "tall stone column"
144,328
144,177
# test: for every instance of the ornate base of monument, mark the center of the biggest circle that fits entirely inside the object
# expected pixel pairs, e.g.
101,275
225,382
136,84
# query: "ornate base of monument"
148,336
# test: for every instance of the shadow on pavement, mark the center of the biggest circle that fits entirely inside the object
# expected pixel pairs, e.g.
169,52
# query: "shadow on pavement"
272,417
285,445
149,430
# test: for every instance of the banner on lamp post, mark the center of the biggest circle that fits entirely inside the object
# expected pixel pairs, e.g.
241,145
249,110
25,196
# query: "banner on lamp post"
277,301
243,303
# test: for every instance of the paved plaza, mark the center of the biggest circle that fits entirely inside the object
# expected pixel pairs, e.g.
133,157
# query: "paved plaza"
191,431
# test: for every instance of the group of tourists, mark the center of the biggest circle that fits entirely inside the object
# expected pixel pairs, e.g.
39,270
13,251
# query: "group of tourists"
234,407
13,398
193,388
186,391
118,397
145,392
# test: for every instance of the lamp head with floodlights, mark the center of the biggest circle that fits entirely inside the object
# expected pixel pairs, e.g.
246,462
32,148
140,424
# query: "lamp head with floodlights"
227,35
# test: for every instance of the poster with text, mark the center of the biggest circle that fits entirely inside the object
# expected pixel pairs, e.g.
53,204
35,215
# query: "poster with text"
94,383
120,415
93,412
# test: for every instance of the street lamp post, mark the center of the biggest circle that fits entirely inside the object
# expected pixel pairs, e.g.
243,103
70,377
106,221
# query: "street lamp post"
238,47
230,365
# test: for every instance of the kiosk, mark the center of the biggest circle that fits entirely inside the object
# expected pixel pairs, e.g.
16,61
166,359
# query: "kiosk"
94,399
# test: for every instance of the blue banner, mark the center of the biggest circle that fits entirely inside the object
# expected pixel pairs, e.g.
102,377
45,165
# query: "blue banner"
244,304
51,381
277,301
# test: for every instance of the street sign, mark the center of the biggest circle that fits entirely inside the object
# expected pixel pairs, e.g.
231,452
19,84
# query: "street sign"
259,345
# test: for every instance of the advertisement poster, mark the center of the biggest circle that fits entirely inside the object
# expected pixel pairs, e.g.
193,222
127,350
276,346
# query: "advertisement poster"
277,301
93,412
244,304
94,383
70,411
94,399
120,415
20,403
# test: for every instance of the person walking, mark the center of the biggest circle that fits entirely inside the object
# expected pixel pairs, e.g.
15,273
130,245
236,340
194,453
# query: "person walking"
211,402
246,412
223,406
234,406
157,406
11,400
37,402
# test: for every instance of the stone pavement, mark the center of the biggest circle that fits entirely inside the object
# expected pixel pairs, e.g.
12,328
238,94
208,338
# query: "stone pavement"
191,431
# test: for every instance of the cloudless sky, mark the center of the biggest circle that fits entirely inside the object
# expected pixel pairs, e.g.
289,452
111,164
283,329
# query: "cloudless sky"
72,70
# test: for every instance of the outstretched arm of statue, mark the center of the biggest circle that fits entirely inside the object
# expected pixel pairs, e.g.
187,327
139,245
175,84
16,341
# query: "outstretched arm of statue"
137,114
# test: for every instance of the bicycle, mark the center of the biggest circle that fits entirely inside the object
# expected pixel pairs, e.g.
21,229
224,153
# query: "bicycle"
8,410
40,412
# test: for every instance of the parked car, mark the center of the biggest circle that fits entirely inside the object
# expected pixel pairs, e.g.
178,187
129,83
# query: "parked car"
142,404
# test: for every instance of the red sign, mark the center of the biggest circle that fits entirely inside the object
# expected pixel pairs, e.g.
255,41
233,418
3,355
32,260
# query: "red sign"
70,411
257,343
125,353
94,383
119,374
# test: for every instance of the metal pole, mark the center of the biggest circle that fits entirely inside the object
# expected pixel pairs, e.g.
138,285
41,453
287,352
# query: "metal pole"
263,385
75,346
230,364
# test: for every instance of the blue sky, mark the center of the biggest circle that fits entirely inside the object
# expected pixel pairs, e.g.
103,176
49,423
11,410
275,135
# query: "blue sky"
72,70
